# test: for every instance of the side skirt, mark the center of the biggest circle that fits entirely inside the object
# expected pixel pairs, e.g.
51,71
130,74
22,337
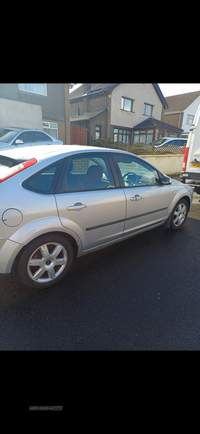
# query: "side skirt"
122,238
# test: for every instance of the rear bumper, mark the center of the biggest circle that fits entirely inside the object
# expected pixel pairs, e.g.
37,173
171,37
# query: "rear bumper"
8,252
192,179
190,176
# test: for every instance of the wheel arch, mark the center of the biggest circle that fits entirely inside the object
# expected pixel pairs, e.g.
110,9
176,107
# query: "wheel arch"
67,236
167,223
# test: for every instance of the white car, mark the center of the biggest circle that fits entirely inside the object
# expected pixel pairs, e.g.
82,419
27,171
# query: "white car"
12,138
175,141
59,202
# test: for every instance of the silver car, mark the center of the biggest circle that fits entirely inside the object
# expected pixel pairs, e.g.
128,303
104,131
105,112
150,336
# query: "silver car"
11,138
65,201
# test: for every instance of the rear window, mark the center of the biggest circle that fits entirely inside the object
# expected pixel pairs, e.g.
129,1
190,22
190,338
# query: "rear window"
44,181
8,161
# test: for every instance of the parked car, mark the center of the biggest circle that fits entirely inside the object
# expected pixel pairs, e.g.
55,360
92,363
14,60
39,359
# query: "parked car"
191,162
66,201
175,141
10,138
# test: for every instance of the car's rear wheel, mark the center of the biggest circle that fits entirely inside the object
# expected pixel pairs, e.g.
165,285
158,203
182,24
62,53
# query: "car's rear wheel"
179,214
45,261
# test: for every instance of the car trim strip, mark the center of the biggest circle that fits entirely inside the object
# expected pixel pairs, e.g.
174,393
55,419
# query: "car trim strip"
146,213
105,224
124,220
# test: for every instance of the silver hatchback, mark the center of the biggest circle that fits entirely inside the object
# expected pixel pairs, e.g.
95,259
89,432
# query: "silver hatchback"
65,201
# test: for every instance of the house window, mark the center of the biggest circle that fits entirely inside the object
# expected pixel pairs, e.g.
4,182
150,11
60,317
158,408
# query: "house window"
126,104
190,119
121,135
143,136
51,128
39,88
148,109
98,132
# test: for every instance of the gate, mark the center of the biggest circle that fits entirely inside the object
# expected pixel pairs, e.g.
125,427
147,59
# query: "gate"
78,135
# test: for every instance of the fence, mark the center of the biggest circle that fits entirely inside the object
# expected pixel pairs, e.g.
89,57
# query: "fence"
140,148
78,135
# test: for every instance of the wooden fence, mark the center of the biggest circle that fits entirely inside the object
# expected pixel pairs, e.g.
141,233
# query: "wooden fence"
78,135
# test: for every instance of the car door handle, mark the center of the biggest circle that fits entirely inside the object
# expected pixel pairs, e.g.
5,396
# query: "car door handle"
136,198
76,207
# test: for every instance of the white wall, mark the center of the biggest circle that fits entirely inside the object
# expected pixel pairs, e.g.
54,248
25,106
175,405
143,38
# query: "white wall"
190,110
169,164
140,93
20,114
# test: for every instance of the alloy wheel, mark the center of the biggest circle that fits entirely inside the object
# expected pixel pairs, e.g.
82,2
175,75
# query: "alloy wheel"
180,214
47,262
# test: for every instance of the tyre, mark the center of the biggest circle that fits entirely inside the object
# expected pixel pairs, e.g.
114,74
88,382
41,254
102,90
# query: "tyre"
179,215
45,261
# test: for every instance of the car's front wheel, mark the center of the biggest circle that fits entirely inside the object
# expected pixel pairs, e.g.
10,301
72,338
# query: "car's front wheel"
45,261
179,214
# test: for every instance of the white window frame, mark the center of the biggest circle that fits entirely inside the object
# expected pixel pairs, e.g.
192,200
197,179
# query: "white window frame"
190,119
50,126
123,98
145,107
32,88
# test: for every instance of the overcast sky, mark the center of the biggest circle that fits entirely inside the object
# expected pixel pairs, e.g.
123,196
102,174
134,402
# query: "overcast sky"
169,89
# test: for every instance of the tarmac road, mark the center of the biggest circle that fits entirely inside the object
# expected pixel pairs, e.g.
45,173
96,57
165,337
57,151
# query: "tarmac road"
140,294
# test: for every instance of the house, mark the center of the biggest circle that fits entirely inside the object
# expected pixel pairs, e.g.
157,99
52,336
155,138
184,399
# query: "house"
152,129
111,110
36,105
182,110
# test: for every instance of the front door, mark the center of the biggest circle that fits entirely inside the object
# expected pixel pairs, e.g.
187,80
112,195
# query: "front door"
147,200
88,201
27,139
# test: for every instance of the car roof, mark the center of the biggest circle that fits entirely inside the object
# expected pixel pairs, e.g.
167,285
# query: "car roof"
18,129
45,151
173,138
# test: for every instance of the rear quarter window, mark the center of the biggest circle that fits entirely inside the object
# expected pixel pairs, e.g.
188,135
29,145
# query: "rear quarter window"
44,181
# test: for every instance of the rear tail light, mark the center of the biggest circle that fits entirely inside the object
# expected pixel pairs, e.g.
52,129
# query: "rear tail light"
185,159
19,168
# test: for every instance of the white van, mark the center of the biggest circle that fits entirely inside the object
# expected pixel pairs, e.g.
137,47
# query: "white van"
190,173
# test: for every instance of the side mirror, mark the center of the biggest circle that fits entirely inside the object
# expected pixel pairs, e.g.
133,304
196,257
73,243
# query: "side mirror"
18,142
166,180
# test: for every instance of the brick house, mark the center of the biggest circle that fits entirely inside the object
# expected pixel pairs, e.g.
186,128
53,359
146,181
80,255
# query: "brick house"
111,110
53,99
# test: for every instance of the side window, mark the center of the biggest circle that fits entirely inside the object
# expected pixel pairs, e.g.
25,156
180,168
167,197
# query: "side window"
41,137
44,181
180,142
26,137
172,142
83,172
136,173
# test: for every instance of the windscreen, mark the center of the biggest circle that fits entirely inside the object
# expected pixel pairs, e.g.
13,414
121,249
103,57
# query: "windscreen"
7,135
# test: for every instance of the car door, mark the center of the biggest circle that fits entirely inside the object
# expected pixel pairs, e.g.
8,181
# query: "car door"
26,138
147,200
41,138
89,201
